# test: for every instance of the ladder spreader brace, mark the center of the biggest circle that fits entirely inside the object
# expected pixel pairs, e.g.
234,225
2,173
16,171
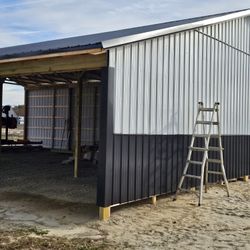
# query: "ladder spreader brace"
214,121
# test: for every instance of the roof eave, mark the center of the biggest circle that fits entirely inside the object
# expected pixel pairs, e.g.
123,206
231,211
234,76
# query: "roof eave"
156,33
54,55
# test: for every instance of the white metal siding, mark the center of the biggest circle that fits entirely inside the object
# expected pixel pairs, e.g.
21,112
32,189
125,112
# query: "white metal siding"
40,116
48,118
54,132
158,82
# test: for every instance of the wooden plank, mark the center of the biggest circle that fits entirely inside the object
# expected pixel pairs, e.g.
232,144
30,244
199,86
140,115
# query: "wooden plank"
26,103
53,119
70,117
78,122
53,65
51,55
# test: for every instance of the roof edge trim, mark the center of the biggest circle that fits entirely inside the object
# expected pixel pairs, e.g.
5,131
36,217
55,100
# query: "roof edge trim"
147,35
52,55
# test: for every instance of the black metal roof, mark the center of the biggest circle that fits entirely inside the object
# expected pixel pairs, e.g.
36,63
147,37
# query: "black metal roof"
91,41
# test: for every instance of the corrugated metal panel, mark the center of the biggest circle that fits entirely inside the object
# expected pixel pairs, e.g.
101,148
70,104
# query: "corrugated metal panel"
48,118
61,123
90,115
159,82
146,165
40,116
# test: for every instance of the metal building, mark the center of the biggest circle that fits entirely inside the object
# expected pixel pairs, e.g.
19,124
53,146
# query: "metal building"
150,81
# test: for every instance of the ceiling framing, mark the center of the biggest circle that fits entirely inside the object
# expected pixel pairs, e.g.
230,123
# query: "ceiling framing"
55,80
62,70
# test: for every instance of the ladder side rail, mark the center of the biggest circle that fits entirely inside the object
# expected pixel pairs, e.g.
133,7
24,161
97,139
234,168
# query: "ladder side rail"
189,153
192,140
205,156
221,155
206,145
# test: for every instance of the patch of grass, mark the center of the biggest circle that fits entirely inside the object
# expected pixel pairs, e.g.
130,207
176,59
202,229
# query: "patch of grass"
38,231
21,239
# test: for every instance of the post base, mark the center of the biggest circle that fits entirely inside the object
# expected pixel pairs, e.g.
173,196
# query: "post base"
104,213
153,200
245,178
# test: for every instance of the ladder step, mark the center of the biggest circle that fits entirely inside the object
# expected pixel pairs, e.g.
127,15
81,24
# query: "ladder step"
204,149
215,172
207,123
195,162
207,109
192,176
197,149
206,136
215,148
214,161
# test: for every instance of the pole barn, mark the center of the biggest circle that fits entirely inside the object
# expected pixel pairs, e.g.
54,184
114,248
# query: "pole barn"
134,93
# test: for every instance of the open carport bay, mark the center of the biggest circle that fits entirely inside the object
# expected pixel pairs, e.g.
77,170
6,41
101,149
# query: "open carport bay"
37,189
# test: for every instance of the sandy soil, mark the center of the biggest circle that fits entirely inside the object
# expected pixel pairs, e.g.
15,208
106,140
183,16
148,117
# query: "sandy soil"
29,221
39,172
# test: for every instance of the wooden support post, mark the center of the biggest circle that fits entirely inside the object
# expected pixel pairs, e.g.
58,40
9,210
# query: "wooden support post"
104,213
245,178
1,107
69,128
25,129
78,125
53,120
153,200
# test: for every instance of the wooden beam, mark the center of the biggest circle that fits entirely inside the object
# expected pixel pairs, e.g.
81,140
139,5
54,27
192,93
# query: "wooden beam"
53,119
53,65
26,103
1,107
78,125
55,86
51,55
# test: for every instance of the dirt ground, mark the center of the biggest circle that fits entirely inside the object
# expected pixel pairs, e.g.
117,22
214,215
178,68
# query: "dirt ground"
55,211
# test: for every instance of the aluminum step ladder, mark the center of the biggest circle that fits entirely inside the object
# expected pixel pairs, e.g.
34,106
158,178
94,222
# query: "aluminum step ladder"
206,135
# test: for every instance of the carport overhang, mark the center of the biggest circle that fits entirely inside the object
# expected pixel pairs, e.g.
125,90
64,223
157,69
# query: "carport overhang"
62,69
53,63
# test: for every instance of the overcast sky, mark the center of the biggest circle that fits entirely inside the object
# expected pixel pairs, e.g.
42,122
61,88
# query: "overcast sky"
27,21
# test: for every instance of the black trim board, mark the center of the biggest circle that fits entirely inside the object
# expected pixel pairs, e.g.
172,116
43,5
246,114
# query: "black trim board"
104,183
140,166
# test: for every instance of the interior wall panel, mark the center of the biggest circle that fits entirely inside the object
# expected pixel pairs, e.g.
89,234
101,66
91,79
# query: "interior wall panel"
49,117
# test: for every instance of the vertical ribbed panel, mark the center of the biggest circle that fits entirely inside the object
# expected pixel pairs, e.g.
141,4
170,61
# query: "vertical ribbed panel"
40,116
158,82
146,165
45,123
53,126
61,125
90,115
